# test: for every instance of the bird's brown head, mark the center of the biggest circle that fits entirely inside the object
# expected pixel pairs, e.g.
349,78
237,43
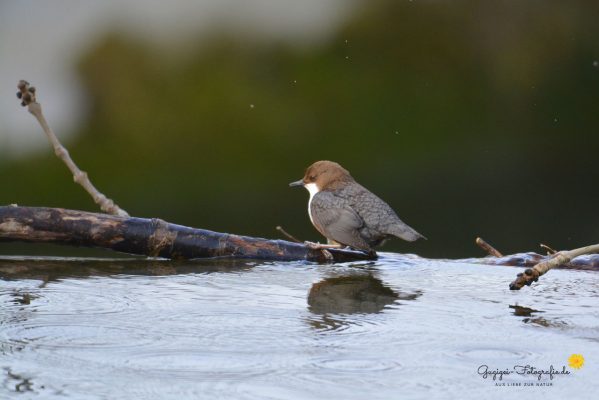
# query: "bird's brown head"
325,175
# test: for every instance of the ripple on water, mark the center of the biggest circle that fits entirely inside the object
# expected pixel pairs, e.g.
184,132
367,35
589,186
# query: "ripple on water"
81,297
493,354
346,372
39,335
359,365
198,364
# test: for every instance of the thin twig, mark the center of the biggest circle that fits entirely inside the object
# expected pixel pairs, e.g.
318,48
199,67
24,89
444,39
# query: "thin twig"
288,235
27,94
492,251
323,248
550,251
563,257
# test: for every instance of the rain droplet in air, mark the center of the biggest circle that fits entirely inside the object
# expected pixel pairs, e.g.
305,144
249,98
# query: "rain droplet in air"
554,119
251,106
595,63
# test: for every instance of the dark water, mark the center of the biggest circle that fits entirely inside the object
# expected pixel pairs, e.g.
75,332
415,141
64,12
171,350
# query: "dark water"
400,327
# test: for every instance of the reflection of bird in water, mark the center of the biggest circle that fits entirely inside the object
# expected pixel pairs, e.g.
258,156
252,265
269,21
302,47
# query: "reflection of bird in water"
353,294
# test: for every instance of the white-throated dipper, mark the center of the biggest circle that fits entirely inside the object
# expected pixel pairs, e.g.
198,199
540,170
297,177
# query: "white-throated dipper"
347,213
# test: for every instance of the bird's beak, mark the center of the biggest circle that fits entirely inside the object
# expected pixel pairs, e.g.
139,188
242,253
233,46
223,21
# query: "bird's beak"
297,183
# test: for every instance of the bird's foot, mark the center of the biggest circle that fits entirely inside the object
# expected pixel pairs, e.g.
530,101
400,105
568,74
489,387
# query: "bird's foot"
371,253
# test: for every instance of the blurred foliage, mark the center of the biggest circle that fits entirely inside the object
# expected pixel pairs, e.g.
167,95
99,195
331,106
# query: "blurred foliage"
469,118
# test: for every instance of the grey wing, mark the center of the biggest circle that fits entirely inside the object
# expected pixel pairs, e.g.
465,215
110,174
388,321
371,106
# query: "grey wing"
337,220
384,219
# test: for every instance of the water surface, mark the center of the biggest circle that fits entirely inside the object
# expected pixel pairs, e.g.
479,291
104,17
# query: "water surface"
399,327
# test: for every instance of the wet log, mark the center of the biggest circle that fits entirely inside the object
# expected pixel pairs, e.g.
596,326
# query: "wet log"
157,238
151,237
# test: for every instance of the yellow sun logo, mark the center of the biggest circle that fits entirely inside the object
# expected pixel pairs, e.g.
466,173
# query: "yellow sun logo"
576,361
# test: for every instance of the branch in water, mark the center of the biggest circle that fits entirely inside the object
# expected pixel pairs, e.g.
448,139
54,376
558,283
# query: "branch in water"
560,258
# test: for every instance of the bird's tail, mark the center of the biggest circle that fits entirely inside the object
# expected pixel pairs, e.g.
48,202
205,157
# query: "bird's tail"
404,232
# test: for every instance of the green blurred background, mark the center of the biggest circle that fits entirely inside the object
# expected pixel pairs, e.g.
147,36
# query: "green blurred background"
469,118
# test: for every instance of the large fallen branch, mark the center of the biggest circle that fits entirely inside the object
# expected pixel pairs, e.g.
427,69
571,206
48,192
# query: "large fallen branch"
157,238
150,237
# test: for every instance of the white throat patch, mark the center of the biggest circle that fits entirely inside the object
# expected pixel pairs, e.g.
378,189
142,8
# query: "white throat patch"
313,189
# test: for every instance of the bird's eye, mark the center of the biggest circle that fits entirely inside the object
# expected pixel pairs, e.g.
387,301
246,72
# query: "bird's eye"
312,177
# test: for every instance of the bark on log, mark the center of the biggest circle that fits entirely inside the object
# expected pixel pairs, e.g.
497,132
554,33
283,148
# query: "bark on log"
150,237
